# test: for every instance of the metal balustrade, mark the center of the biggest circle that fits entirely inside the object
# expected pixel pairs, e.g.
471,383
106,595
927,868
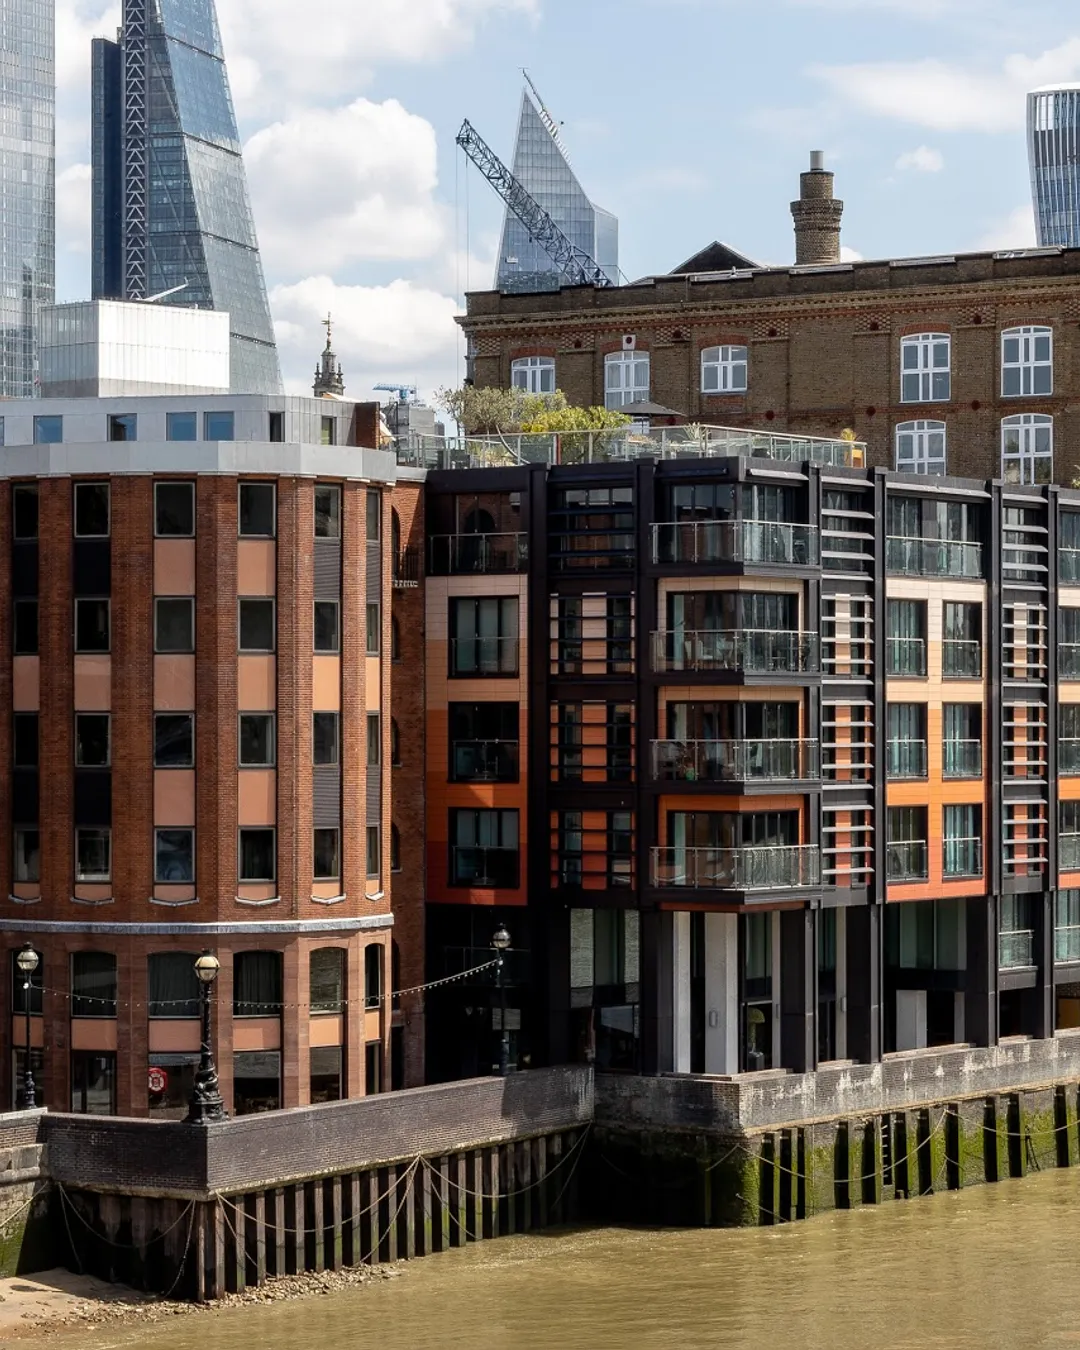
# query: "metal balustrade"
749,651
780,867
905,759
907,860
1016,948
961,659
735,761
481,554
741,541
961,759
915,557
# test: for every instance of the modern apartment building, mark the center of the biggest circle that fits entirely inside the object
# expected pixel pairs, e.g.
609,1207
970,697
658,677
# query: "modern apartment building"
1053,124
195,670
763,761
171,215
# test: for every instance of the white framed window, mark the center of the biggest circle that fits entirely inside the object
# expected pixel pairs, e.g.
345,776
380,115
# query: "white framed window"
924,368
626,378
920,447
1027,448
723,370
1027,361
533,374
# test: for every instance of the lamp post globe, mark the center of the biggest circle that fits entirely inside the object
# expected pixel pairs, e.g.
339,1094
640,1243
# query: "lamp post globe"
206,1105
207,967
28,961
500,940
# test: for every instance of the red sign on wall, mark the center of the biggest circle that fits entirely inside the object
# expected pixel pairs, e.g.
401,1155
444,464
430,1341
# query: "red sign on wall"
157,1080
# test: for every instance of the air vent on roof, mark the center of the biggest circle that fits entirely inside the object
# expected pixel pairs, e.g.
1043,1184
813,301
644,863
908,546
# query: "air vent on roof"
923,262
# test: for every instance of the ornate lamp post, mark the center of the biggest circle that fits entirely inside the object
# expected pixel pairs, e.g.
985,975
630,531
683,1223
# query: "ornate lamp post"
501,941
206,1105
28,961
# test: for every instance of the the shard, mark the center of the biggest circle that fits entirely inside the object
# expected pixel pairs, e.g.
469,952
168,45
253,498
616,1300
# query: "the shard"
541,165
171,214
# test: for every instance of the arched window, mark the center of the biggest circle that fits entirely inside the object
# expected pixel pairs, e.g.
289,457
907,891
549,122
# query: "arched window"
1027,361
395,744
257,984
925,368
395,533
395,849
920,447
626,378
723,370
373,959
395,639
93,984
533,374
327,974
395,971
1027,448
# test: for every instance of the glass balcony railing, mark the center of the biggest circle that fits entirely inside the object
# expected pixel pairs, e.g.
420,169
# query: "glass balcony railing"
781,867
962,857
739,541
466,554
1069,756
907,860
476,865
1069,660
1069,565
961,759
750,651
905,759
905,656
913,557
1067,942
735,761
961,659
484,656
1016,948
1069,852
485,761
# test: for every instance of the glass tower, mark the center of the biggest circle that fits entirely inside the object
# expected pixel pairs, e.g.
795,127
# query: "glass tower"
170,200
541,165
27,186
1053,126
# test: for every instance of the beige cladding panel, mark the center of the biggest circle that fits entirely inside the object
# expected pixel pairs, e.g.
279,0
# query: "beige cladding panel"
174,566
93,683
174,683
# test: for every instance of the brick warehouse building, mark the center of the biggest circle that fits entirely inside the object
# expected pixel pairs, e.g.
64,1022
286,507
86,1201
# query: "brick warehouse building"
196,660
764,762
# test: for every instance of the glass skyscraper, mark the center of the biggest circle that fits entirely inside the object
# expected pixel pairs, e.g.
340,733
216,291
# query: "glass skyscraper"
541,165
27,186
1053,125
170,200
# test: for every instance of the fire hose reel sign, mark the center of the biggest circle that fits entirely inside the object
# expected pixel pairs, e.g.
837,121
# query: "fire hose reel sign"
157,1080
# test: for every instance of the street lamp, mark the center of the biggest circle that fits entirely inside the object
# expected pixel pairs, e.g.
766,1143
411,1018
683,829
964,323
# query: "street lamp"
206,1105
501,941
28,961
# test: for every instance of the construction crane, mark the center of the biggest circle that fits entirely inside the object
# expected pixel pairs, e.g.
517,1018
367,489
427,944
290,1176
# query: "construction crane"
545,116
576,265
403,391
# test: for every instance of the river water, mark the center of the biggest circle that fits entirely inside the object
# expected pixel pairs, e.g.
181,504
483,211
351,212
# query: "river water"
994,1266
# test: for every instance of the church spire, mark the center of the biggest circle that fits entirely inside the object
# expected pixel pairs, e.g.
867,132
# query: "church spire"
328,377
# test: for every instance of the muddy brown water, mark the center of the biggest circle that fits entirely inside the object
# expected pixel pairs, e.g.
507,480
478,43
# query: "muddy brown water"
991,1267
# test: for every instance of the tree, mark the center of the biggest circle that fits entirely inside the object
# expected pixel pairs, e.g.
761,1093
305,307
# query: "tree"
491,411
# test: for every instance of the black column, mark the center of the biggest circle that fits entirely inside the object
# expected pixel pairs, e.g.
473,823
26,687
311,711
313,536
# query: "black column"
1045,1011
798,990
981,993
657,1011
864,959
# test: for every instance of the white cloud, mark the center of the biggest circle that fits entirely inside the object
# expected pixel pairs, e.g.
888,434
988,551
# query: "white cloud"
944,97
382,334
73,209
333,186
850,254
921,160
1016,230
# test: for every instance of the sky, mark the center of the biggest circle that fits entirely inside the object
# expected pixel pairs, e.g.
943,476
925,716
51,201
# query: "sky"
690,119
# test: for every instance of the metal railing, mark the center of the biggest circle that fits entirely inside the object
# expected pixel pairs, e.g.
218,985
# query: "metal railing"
905,656
1016,948
735,761
462,554
1069,756
1069,660
738,869
743,541
961,759
1069,852
905,759
407,568
620,444
484,656
1067,942
961,659
485,761
907,860
915,557
758,651
480,865
962,857
1069,564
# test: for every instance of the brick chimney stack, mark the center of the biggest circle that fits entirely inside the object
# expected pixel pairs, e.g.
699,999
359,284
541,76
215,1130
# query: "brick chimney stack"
817,215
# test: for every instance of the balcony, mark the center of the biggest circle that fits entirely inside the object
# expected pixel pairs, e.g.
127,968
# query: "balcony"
1067,943
735,541
477,554
735,761
484,656
905,657
961,759
1069,756
961,659
962,858
745,651
905,759
484,761
407,569
779,868
1016,949
1069,660
1069,852
912,557
1069,565
477,865
907,860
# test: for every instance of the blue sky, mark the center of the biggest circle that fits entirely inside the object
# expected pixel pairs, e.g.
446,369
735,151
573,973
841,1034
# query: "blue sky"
690,119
